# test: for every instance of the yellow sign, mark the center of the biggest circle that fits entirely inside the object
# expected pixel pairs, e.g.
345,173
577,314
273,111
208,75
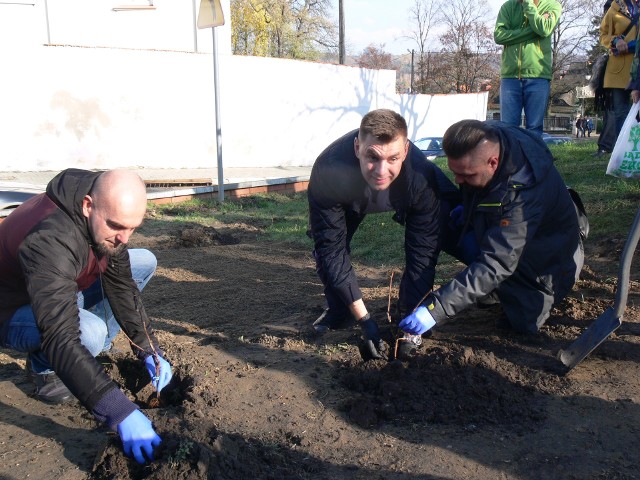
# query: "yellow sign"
210,14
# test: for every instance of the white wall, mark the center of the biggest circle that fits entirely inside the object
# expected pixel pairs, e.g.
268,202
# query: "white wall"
96,107
170,25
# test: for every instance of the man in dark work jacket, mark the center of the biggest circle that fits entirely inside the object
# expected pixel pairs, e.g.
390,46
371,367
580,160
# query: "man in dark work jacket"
67,285
370,170
527,226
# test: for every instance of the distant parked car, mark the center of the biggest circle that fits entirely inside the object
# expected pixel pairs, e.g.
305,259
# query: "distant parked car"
13,194
556,139
431,147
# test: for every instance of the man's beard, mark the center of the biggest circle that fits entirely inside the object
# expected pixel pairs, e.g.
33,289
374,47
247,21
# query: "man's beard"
103,250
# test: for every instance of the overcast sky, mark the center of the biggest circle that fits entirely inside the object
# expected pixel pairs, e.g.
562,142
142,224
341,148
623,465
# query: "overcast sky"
383,22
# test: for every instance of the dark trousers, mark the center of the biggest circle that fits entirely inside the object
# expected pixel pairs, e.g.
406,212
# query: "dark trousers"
617,106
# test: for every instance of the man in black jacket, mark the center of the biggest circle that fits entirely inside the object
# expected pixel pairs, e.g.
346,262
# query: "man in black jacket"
68,283
375,169
526,225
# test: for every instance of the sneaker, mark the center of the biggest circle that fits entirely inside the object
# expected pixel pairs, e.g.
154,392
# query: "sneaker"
333,321
600,153
49,388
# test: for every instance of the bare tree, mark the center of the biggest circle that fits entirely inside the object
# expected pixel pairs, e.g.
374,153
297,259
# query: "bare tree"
375,58
572,36
468,55
573,41
424,15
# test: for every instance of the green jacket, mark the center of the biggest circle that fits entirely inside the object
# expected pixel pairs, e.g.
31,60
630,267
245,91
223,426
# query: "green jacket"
524,30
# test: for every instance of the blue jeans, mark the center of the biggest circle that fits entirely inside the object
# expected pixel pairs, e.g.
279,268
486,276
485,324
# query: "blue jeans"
531,94
98,326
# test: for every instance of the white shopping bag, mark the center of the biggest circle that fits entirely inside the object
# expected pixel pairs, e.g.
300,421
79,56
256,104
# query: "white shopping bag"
625,158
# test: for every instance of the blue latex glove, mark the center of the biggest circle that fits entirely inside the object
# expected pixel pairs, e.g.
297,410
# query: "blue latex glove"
418,322
456,217
160,381
138,436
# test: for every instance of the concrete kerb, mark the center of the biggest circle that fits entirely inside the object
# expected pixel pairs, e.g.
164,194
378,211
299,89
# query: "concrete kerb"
240,182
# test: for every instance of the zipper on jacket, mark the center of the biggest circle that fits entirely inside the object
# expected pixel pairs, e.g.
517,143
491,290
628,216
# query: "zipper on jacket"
520,62
136,304
104,307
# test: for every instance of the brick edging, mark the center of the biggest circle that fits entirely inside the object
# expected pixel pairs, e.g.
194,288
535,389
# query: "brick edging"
292,187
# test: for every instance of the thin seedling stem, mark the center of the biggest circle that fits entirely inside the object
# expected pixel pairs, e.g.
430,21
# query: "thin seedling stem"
389,301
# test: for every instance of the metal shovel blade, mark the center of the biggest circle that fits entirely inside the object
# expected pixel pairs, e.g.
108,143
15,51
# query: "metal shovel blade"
598,331
611,319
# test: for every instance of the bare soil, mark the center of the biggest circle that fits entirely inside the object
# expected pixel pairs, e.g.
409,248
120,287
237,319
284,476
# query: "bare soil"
257,396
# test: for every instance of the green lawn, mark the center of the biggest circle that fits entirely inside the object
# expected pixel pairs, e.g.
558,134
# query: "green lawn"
611,204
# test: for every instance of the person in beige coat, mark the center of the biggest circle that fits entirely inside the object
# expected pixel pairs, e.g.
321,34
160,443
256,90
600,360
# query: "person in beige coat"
616,36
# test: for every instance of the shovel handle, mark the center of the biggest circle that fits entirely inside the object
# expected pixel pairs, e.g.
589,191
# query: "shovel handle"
625,267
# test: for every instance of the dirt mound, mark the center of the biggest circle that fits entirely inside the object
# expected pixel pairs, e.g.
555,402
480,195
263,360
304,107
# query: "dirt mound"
445,385
202,236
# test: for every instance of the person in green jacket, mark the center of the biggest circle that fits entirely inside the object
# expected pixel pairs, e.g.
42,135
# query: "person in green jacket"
524,28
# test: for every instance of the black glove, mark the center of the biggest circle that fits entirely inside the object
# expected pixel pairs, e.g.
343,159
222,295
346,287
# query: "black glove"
373,346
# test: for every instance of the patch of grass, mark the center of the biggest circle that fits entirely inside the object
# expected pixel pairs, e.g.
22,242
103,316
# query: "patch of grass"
611,205
379,241
279,217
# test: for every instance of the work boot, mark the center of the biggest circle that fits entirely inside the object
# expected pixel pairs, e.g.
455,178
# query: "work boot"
49,388
502,323
333,321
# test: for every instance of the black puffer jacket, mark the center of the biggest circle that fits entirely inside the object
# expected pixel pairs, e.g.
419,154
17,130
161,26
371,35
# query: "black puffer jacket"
338,192
45,259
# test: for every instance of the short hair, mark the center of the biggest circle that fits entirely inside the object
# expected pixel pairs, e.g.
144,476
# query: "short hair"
465,135
383,124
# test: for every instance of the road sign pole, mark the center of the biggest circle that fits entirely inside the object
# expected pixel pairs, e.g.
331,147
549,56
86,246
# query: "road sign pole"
211,15
218,121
